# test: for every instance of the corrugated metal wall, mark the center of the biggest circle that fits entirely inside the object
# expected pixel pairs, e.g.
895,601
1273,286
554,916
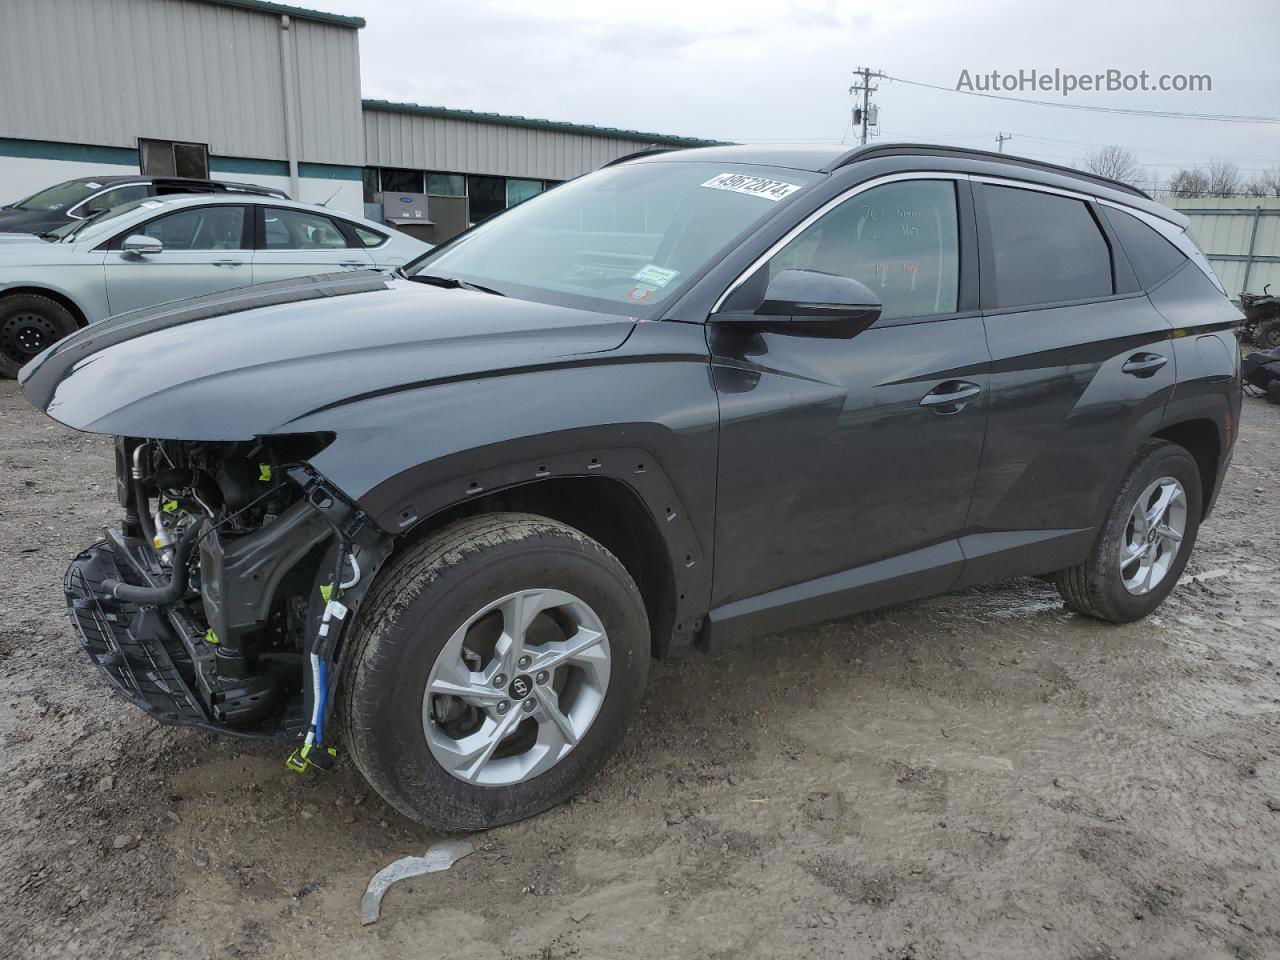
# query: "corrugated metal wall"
1225,227
421,142
86,71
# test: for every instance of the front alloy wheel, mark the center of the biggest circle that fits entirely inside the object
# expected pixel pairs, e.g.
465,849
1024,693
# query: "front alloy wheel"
516,687
493,670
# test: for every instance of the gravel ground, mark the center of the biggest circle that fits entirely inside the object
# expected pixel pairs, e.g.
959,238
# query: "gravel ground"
977,775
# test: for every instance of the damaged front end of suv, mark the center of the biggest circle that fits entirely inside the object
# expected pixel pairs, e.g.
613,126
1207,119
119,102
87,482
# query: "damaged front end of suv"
212,604
217,600
324,481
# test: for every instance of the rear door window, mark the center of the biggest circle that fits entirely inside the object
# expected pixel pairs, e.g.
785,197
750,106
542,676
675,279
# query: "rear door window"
1045,248
300,230
1152,256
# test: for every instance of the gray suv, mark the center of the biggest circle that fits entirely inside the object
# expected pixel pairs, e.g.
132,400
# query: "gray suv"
443,519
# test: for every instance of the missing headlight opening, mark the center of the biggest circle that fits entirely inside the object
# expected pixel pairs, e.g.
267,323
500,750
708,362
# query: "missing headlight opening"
216,602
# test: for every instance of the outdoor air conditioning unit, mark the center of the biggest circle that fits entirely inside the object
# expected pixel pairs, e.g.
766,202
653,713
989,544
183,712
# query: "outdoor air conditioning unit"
402,208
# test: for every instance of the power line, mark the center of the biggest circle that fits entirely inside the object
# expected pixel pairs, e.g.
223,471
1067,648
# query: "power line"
1127,111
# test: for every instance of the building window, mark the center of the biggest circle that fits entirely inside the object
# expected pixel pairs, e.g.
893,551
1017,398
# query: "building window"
446,185
402,181
518,191
170,158
371,188
487,196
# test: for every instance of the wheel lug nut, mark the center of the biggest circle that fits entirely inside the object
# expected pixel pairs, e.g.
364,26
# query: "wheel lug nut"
503,706
500,680
528,706
542,676
525,661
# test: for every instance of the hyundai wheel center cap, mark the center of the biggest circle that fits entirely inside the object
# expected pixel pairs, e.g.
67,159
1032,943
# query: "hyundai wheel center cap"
521,687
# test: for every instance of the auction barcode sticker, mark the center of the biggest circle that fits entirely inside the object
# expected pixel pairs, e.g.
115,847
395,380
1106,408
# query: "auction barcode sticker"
762,187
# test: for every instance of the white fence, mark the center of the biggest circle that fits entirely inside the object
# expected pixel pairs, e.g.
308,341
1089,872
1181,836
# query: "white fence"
1241,238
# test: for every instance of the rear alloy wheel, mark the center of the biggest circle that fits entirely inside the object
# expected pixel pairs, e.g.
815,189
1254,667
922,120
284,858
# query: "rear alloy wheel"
28,324
1153,536
493,670
1145,540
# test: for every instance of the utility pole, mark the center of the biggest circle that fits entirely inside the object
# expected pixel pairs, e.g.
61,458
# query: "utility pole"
1001,138
862,116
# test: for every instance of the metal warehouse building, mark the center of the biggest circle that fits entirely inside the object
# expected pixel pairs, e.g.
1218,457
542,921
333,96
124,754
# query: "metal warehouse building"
262,92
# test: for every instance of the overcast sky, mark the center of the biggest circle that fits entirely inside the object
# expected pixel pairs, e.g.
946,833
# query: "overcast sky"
781,71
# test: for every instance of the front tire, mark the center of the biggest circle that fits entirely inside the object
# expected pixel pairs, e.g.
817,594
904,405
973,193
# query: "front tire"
493,671
28,324
1144,542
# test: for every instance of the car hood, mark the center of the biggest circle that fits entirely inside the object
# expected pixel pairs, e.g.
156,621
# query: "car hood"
29,221
27,238
253,361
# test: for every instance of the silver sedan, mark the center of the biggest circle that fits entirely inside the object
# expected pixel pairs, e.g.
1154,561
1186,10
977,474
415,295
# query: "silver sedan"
169,248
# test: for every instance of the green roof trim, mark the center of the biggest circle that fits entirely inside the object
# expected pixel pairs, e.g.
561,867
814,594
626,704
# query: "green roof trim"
533,123
302,13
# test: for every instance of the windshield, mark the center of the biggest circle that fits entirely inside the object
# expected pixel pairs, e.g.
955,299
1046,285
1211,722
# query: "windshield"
61,197
622,238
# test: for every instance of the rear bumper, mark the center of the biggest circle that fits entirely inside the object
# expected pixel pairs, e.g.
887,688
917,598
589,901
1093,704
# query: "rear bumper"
148,654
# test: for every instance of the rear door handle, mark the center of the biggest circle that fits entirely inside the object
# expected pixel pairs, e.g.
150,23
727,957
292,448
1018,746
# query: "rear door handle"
350,263
950,396
1144,364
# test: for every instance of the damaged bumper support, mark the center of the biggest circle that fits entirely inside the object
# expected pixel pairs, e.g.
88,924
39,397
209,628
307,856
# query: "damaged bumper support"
208,654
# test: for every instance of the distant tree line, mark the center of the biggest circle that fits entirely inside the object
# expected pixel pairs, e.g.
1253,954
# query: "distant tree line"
1218,178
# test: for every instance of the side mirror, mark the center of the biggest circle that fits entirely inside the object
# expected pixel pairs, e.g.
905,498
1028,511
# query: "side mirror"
140,245
807,303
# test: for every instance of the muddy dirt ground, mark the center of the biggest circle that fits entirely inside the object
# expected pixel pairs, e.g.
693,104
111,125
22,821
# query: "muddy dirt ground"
977,775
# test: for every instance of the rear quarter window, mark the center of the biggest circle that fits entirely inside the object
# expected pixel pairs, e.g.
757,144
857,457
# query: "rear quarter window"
1152,256
1045,248
369,238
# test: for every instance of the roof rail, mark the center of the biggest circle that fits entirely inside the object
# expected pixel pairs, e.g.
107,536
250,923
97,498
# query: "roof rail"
646,152
936,150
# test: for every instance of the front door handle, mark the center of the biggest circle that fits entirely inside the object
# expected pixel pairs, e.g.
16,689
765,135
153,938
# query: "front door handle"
351,264
950,396
1144,364
228,263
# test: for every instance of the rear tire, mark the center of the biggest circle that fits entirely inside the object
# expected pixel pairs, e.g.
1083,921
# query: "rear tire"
1097,588
449,593
28,324
1268,335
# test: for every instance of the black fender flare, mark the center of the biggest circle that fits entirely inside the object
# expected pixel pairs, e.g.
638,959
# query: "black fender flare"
411,500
